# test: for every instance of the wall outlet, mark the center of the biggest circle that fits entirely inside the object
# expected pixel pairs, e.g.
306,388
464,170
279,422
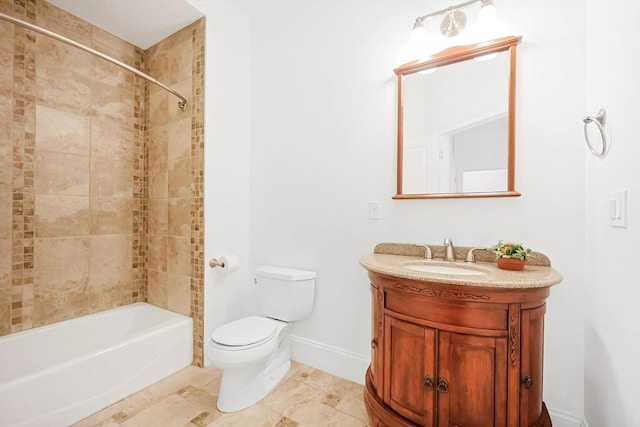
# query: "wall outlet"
374,210
618,208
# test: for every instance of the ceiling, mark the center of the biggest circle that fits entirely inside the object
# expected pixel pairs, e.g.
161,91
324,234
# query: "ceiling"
141,22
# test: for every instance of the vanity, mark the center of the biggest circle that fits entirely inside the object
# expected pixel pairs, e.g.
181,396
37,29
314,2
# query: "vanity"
455,344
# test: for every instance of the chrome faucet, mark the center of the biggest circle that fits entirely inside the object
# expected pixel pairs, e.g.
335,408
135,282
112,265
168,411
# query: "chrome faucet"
427,252
449,250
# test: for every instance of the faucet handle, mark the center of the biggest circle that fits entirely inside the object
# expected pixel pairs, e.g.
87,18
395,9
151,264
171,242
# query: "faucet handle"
447,242
427,251
470,257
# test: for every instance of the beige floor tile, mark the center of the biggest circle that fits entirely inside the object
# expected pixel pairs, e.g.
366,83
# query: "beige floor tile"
204,419
142,400
289,394
305,398
105,414
334,385
321,415
204,400
213,388
286,422
200,377
353,406
299,371
254,416
166,386
321,380
109,422
173,411
199,397
331,399
346,388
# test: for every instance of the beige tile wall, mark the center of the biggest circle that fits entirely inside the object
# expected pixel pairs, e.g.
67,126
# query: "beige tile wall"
6,167
100,203
175,198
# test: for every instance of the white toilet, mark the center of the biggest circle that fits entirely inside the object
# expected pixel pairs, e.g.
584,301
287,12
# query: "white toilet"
254,352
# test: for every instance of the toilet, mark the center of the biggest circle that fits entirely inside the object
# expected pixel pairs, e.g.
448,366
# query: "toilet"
254,353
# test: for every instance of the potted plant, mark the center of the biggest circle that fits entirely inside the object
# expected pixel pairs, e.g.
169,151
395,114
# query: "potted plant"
511,256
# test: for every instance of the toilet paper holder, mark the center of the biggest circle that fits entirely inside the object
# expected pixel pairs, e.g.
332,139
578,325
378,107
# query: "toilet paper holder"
225,263
213,263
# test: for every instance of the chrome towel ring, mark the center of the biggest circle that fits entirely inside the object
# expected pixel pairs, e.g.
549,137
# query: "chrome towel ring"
600,120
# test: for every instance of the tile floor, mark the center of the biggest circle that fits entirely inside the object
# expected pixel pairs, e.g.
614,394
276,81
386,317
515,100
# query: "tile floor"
305,397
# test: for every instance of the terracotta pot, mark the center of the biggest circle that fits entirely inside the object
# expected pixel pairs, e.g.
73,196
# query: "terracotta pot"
511,264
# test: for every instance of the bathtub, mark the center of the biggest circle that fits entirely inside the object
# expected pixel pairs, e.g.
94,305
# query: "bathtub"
58,374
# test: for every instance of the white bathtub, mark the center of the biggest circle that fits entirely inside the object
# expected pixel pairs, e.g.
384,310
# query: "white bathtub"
58,374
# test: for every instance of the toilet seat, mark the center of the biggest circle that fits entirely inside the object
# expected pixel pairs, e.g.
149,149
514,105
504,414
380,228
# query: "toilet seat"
245,333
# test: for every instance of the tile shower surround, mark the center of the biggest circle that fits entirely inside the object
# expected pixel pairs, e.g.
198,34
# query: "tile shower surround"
100,173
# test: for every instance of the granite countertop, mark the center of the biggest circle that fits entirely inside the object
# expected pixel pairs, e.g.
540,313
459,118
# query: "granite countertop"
392,259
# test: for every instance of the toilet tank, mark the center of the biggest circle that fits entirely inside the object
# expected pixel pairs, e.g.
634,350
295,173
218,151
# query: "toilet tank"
285,293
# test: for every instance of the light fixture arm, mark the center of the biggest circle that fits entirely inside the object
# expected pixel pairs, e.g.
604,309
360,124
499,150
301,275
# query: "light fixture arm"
420,19
425,42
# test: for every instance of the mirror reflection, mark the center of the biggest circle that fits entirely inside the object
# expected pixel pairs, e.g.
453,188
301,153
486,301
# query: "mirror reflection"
455,128
455,120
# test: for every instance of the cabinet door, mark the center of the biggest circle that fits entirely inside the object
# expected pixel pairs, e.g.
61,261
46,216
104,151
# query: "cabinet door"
472,381
531,361
409,369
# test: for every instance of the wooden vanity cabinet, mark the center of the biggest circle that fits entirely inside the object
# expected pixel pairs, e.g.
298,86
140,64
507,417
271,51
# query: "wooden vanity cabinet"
455,356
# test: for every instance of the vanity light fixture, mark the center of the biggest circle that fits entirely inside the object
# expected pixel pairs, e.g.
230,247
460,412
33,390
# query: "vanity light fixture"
455,29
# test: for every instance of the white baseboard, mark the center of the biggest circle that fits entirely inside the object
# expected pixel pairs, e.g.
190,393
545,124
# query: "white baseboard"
333,360
560,419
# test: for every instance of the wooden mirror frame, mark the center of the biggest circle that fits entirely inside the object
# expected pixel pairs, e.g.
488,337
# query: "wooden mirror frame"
451,56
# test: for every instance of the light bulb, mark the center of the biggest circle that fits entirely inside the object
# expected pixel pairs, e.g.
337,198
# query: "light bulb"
418,41
415,46
487,14
488,25
419,46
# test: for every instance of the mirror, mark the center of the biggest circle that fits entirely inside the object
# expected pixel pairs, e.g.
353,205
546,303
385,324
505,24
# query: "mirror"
456,123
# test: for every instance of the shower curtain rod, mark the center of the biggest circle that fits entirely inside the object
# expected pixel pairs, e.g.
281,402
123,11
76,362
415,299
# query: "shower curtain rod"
183,101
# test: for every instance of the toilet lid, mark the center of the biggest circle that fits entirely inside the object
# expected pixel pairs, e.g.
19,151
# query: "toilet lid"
247,331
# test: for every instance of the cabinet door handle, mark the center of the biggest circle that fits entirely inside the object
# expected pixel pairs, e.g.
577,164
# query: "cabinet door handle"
443,385
527,381
427,383
374,342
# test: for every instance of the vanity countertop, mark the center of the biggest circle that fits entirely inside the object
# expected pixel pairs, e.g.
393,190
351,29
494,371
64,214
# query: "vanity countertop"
533,276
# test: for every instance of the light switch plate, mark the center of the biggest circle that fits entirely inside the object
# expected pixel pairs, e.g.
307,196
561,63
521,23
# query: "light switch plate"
618,208
374,210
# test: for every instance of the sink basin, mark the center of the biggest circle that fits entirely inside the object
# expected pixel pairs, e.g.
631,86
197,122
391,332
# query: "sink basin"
444,269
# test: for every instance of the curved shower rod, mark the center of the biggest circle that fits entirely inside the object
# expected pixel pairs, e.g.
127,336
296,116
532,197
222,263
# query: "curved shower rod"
183,101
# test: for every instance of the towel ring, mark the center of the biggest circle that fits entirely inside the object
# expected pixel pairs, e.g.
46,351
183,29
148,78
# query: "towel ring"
600,120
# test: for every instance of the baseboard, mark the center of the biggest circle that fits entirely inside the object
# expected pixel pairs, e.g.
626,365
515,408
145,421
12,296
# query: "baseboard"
333,360
560,419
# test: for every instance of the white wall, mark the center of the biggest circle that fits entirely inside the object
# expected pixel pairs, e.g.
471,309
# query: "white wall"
612,326
323,145
227,131
319,121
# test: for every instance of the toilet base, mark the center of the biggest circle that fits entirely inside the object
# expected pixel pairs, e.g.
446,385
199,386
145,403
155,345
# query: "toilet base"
241,388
